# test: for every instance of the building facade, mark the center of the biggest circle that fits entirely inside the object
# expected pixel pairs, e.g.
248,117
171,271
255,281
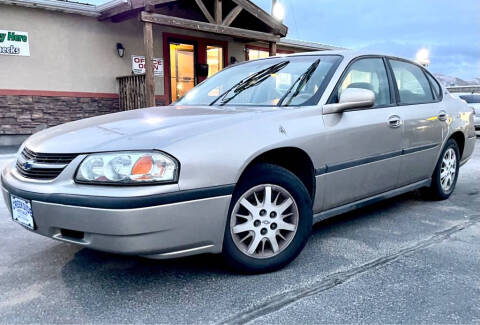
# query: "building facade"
63,61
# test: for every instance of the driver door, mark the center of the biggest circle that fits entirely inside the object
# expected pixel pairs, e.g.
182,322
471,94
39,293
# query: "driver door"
364,146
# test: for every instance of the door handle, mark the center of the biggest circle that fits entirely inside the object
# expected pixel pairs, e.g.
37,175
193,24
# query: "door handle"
394,121
442,116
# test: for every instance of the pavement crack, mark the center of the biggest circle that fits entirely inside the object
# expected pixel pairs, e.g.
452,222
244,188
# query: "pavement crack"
279,301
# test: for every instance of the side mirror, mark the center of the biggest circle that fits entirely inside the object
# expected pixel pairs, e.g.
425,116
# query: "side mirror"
351,98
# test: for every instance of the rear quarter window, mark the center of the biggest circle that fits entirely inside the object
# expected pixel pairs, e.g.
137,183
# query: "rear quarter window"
413,86
437,90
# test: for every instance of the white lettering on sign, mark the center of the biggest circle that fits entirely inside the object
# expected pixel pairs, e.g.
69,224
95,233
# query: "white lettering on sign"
138,65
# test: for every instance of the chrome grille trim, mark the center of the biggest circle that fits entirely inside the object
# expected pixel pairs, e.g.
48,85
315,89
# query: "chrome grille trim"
22,160
49,158
42,166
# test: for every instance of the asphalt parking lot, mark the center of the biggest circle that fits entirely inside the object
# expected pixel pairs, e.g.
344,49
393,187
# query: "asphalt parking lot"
405,260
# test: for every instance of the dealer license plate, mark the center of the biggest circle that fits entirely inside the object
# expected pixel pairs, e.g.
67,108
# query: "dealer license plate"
22,211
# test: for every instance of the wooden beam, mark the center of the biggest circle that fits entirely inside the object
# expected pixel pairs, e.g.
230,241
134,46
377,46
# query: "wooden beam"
232,15
278,27
218,12
207,27
149,76
272,48
149,6
160,2
131,5
107,14
205,11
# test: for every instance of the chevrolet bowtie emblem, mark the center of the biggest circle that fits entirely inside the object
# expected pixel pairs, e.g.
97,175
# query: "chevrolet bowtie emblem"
27,165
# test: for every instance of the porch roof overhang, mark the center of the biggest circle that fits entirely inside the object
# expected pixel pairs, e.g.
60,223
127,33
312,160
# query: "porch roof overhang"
207,27
237,18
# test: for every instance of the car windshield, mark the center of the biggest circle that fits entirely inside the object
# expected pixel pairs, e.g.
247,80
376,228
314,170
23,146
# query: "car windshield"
279,81
471,99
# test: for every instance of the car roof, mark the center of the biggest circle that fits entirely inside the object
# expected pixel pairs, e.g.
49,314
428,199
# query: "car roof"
345,53
349,54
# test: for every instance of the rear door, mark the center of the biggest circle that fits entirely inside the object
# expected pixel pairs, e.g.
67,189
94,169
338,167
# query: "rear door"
363,147
425,120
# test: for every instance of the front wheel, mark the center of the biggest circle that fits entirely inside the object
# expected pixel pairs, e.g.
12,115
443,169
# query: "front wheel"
269,222
445,176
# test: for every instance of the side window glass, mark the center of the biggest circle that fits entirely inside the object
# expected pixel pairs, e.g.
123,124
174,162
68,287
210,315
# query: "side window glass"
413,86
436,87
367,74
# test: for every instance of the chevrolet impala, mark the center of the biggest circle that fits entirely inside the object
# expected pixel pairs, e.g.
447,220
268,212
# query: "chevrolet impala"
246,161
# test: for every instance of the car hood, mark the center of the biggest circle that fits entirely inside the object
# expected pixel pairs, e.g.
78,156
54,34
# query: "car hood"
151,128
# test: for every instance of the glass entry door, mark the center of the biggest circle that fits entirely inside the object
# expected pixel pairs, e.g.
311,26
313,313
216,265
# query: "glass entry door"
182,69
190,61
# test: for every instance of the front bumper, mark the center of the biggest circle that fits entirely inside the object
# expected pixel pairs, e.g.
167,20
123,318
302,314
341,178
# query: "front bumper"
173,228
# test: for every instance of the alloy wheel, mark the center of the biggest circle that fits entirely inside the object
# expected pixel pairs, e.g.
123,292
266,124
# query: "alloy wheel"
448,170
264,221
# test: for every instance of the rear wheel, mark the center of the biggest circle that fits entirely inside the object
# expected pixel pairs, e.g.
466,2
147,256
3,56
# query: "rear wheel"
269,222
445,176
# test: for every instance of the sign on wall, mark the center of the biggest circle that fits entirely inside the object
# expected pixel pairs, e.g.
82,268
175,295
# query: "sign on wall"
138,65
14,43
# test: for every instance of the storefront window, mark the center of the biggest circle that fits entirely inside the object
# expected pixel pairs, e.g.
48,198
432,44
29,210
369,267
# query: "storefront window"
254,53
214,59
257,54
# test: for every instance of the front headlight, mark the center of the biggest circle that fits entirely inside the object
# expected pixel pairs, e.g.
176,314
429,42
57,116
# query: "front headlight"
128,167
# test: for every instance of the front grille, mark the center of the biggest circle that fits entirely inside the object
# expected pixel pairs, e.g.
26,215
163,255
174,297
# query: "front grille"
42,165
49,158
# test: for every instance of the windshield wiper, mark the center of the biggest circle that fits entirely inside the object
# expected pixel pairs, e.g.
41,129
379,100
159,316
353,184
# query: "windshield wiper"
302,81
250,81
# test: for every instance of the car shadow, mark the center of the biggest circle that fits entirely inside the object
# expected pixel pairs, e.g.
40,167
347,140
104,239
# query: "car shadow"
96,278
86,260
372,211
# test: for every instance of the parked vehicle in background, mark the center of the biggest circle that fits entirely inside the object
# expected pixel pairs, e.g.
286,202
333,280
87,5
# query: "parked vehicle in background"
473,100
245,162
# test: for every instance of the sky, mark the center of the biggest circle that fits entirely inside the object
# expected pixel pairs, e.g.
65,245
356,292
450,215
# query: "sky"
450,29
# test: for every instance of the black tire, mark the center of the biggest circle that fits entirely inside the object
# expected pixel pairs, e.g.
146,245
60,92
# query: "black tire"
435,190
275,175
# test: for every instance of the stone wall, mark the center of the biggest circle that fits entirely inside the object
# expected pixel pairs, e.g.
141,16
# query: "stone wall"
29,114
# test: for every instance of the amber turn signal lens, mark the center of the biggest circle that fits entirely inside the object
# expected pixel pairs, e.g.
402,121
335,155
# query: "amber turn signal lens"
142,166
